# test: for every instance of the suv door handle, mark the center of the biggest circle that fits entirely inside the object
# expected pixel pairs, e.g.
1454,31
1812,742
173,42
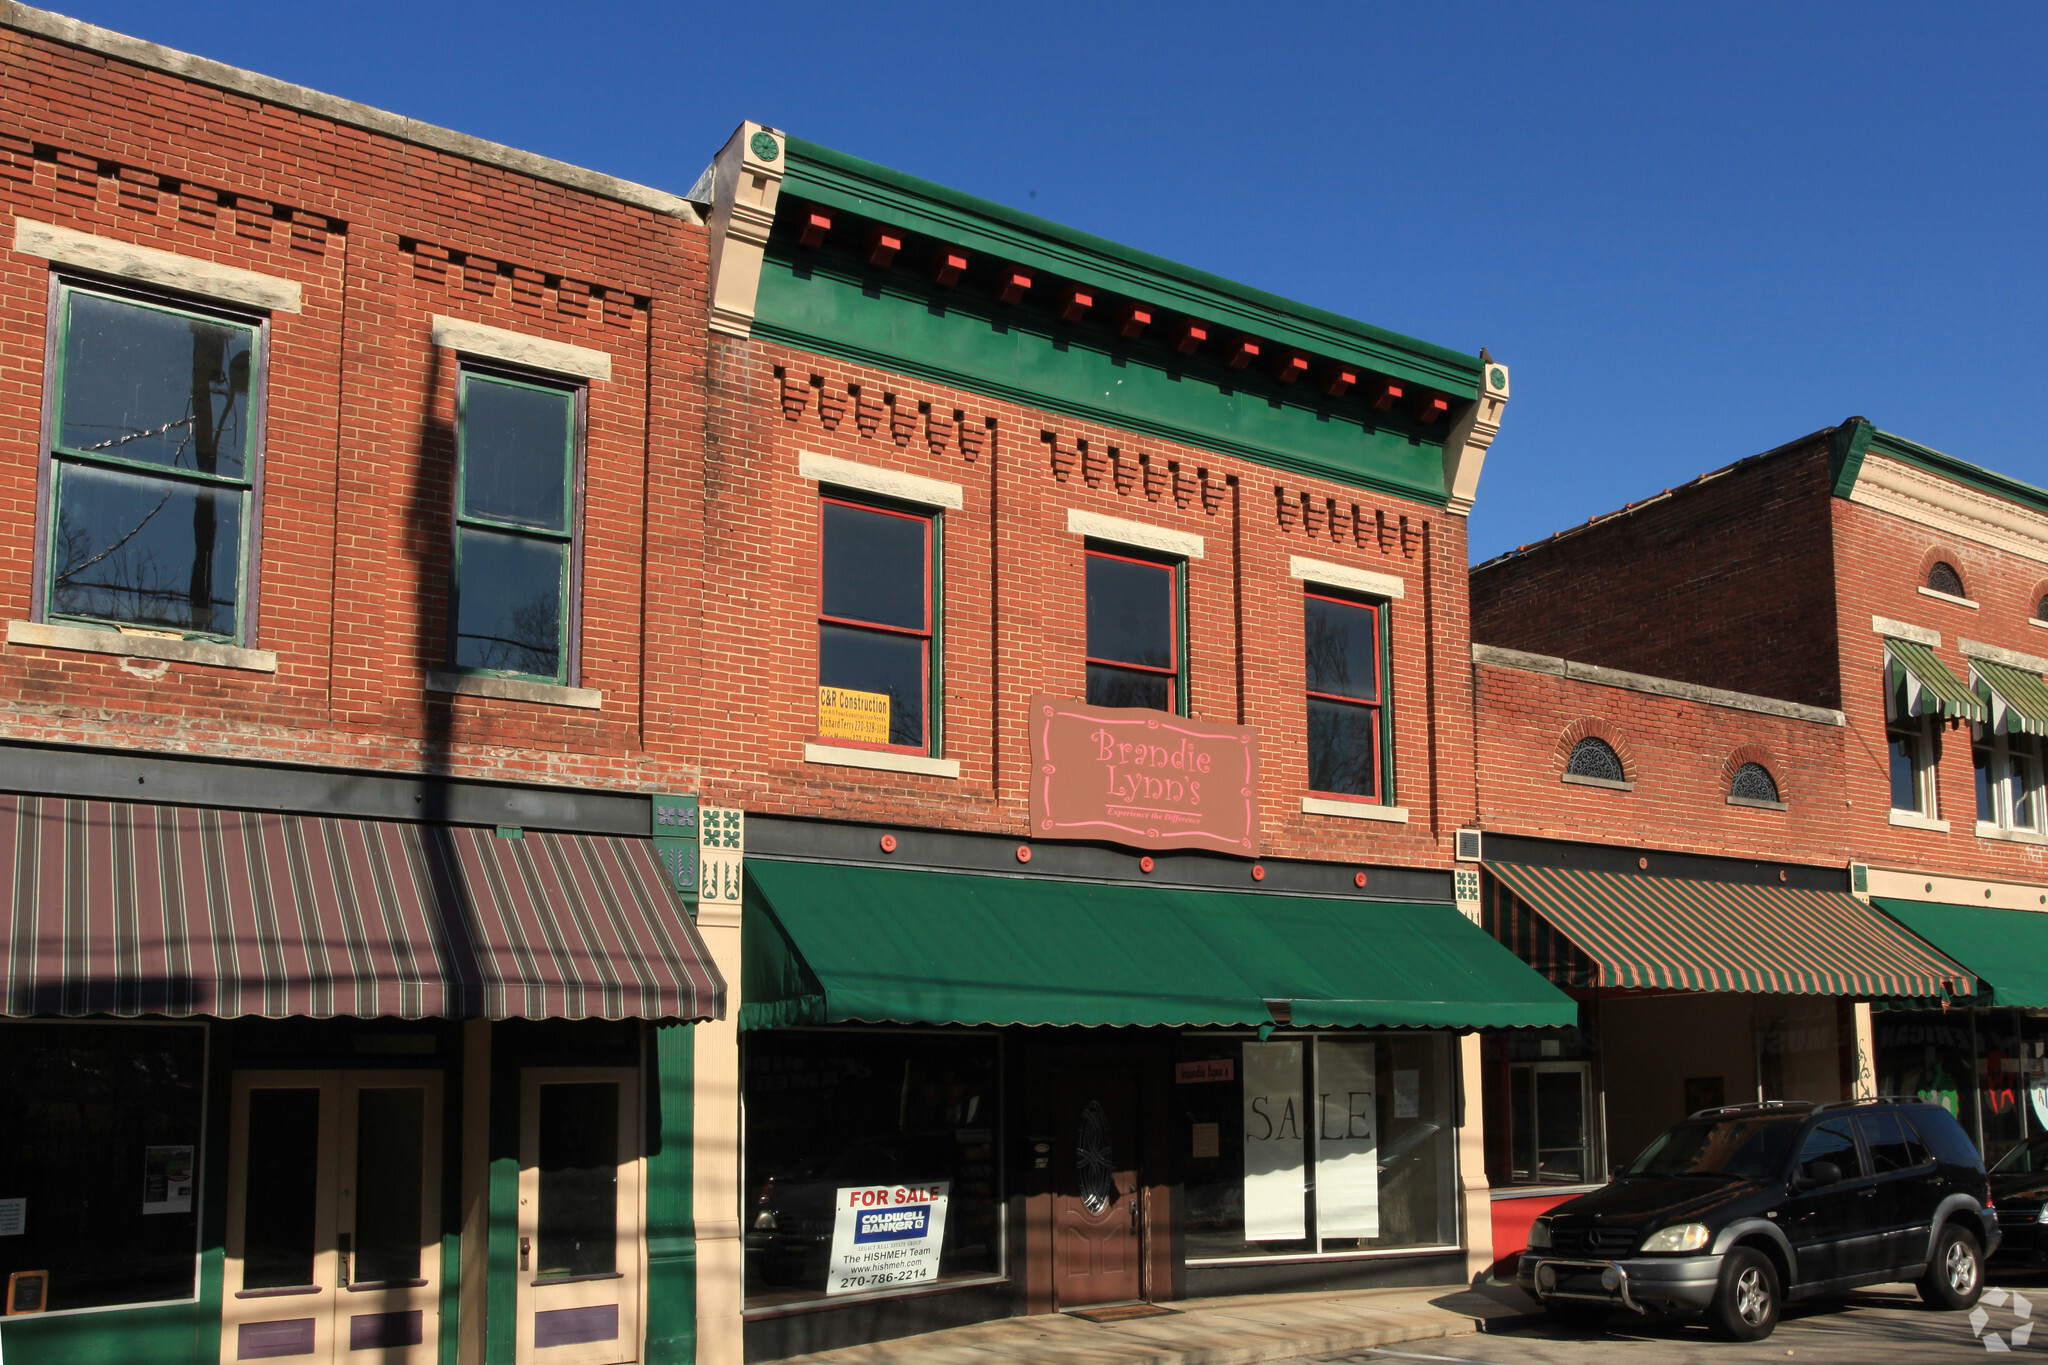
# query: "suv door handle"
1868,1192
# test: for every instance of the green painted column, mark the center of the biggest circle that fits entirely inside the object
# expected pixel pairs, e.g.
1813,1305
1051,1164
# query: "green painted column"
671,1229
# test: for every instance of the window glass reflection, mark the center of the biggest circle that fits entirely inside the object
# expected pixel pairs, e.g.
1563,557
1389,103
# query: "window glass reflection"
509,608
516,449
875,566
140,550
1130,612
150,385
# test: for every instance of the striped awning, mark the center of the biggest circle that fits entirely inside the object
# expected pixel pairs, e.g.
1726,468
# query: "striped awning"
2018,699
1927,684
113,908
1665,933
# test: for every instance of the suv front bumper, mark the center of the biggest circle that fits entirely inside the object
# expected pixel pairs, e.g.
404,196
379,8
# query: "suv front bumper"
1641,1283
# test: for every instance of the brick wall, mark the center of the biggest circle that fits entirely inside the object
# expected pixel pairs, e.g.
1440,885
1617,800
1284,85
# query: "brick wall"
1680,756
1722,582
381,234
1014,606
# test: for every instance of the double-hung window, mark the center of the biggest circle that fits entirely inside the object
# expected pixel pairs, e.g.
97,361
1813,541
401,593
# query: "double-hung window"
516,527
1914,744
1134,633
2008,773
153,455
876,612
1346,697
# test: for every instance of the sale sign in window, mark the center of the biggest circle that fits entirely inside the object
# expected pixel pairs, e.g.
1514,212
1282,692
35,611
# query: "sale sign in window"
887,1235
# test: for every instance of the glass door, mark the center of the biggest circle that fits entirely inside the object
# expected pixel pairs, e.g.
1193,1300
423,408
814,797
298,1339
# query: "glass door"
1550,1126
333,1197
579,1216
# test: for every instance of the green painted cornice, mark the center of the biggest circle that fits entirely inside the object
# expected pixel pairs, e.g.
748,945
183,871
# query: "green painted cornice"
1847,444
822,176
1962,471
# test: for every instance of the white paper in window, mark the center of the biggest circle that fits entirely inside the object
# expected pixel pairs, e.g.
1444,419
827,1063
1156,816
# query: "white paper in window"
1275,1198
1347,1140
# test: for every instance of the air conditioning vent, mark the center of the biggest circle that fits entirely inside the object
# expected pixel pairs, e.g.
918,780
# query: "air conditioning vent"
1468,845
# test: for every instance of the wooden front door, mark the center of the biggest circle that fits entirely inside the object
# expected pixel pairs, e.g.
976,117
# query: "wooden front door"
334,1197
579,1216
1097,1205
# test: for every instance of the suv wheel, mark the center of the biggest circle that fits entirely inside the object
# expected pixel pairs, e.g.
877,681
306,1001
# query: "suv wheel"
1955,1277
1745,1306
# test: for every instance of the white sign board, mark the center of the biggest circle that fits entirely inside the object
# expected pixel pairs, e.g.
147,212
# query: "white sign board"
1347,1140
1275,1196
167,1179
886,1235
13,1217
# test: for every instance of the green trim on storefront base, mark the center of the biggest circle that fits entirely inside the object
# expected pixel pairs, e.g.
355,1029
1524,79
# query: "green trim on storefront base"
1143,389
671,1295
820,175
827,943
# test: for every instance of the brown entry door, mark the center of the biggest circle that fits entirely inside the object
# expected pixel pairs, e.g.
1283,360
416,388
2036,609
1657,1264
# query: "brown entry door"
1097,1210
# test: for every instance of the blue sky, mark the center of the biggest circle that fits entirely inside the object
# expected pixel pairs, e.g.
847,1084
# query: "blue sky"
1695,232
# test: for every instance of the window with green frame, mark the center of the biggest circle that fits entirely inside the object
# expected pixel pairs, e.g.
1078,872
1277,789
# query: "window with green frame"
153,449
516,526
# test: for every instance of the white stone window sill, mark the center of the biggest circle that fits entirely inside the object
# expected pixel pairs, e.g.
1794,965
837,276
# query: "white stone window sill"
1354,810
1754,804
1579,781
881,760
1987,830
89,641
2037,621
516,689
1913,819
1948,597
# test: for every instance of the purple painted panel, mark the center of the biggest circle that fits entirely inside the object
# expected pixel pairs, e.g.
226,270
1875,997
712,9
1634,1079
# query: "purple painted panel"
264,1340
567,1326
370,1331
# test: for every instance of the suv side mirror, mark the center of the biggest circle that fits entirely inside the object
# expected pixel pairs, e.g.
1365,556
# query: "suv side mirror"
1816,1174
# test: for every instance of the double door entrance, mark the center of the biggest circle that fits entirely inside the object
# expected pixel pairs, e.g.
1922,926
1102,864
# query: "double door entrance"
334,1245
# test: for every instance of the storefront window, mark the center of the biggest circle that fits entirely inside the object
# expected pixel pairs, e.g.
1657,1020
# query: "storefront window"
99,1159
871,1162
1316,1144
1992,1080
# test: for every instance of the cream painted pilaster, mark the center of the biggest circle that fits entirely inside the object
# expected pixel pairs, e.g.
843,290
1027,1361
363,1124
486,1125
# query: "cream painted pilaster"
746,182
1471,436
716,1168
1475,1195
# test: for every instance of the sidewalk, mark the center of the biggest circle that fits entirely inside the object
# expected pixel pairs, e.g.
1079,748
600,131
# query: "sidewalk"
1238,1330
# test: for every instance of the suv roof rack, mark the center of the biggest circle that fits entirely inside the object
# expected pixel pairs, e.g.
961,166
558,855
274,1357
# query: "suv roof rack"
1871,1099
1755,1107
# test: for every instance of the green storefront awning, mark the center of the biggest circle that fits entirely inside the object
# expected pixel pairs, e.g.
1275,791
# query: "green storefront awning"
826,943
2019,699
1928,684
2007,950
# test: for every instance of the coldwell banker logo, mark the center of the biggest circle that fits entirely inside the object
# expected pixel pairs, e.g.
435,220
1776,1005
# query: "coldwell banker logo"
891,1225
2009,1302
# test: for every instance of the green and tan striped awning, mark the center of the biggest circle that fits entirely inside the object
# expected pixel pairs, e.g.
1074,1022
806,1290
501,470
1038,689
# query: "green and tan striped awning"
117,908
2018,699
1928,684
1665,933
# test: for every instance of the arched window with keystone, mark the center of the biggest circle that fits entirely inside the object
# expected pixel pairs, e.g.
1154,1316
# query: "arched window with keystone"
1595,759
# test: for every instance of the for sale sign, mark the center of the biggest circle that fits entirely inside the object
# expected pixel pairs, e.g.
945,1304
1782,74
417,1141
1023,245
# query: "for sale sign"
884,1235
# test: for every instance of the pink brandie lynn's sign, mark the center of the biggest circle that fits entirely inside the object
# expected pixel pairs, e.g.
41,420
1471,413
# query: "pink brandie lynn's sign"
1143,778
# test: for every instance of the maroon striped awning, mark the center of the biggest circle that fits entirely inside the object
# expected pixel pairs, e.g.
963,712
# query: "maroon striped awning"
112,908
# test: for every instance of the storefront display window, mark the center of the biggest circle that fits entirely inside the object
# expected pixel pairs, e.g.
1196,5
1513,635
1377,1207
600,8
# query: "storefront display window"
1306,1145
1985,1067
99,1159
871,1162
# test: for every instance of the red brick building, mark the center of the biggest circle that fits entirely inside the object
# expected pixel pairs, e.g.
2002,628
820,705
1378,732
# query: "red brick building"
337,933
972,472
1899,591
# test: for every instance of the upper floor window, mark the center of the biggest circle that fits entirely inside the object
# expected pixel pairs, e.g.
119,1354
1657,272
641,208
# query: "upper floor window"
153,452
1346,735
1595,758
1944,578
1914,747
2008,777
876,613
1753,782
516,527
1134,644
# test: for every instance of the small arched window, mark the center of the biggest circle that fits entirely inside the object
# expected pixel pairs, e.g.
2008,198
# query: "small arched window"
1595,758
1753,782
2041,610
1944,578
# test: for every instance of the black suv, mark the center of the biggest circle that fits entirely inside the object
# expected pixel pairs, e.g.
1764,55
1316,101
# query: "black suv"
1738,1209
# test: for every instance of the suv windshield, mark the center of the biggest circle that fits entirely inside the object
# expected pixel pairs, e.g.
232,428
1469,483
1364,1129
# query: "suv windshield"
1746,1148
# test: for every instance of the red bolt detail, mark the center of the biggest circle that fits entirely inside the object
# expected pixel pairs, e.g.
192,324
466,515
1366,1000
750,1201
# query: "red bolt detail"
1258,873
888,843
1358,879
1144,864
1023,853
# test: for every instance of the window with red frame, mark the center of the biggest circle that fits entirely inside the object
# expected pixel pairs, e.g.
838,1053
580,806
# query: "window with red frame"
1133,632
1345,707
875,611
